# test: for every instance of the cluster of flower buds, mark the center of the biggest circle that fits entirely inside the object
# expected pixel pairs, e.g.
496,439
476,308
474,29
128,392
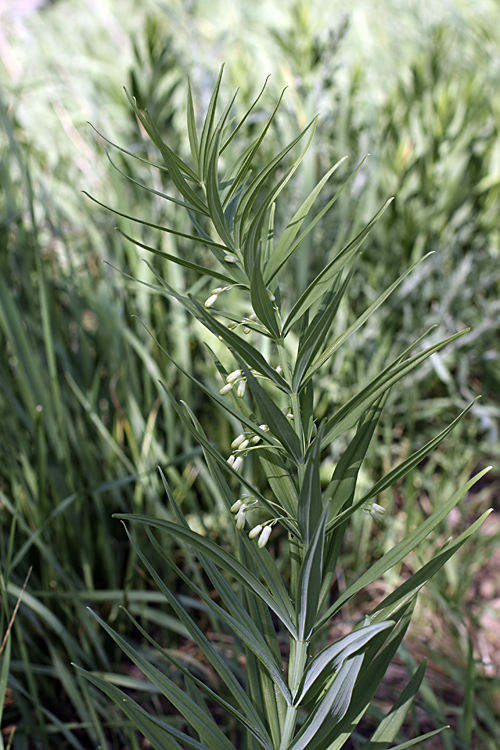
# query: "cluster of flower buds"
214,295
250,319
242,444
235,377
377,512
263,531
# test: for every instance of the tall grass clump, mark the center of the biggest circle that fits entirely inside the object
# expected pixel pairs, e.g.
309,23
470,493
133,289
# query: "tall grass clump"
271,586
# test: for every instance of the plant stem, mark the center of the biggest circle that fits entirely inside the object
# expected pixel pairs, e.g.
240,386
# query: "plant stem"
296,666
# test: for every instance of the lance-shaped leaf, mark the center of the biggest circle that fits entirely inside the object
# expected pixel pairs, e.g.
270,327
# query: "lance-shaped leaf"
323,280
162,736
213,197
347,416
286,245
227,562
242,349
261,301
246,163
332,657
310,578
321,359
315,336
191,127
310,498
210,652
406,466
172,692
408,590
332,708
238,621
180,261
279,425
397,553
386,732
208,127
250,195
254,232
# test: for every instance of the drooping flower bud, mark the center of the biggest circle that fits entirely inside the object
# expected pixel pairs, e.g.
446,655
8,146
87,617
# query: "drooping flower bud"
264,537
255,531
225,389
236,506
237,463
210,301
242,386
240,518
233,376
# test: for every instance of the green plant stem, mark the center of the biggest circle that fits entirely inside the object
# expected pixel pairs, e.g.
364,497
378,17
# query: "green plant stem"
296,666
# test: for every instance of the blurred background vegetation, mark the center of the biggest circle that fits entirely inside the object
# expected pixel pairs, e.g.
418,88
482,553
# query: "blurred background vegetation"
82,421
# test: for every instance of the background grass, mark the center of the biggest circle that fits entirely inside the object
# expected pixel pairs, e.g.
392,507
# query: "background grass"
82,421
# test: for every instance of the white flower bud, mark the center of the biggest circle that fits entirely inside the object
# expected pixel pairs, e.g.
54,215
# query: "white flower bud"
255,531
231,258
238,441
210,301
279,370
242,386
264,427
240,518
264,537
225,389
231,459
233,376
237,463
244,445
256,439
236,506
377,512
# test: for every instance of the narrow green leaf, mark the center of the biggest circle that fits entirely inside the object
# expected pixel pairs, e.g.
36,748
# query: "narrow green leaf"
322,282
250,196
211,654
253,234
332,707
386,732
311,575
245,167
161,735
407,590
406,466
397,553
202,270
191,126
310,505
238,621
261,302
174,164
279,425
207,130
161,228
213,197
242,349
348,414
286,245
315,336
411,743
333,656
226,561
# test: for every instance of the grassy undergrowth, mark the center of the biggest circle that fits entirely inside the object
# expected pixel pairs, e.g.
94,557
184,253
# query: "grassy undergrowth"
82,422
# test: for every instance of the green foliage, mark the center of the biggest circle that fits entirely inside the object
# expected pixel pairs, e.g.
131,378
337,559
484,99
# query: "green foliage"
307,698
416,89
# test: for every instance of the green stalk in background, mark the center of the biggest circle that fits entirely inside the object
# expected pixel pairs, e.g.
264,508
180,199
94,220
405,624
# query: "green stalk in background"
297,690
